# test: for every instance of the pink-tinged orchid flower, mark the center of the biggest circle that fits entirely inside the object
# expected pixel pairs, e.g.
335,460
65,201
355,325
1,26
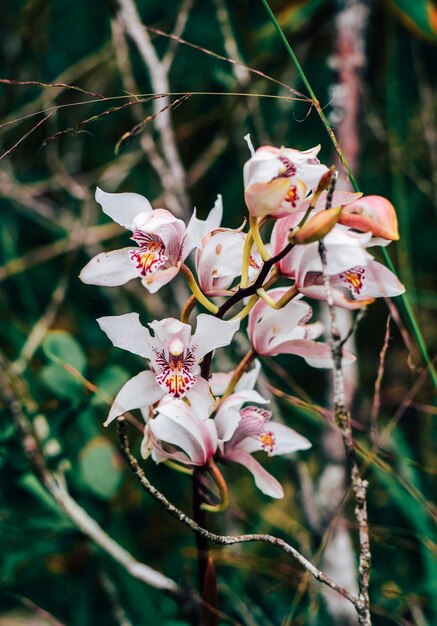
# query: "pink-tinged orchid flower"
174,357
163,242
355,287
276,180
356,279
235,434
374,214
245,430
344,249
285,331
219,261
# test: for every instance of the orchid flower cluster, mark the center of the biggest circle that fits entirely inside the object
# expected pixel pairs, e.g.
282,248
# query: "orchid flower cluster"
195,417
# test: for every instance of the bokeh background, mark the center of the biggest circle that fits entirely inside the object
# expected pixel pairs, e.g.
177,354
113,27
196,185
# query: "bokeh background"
372,66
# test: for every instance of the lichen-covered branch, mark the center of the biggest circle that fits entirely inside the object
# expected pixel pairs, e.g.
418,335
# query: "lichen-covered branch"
226,540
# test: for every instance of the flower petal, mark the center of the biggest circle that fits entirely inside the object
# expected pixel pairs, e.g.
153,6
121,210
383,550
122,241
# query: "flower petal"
127,332
197,229
201,399
263,480
109,269
287,439
139,392
315,353
123,207
212,333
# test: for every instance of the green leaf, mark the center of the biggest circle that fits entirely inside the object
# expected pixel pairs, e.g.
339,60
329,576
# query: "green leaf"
109,383
66,355
419,16
100,468
62,348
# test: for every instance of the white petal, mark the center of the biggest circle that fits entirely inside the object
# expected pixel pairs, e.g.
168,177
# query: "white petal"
123,207
287,439
248,380
201,399
212,333
140,391
226,422
109,269
197,229
127,332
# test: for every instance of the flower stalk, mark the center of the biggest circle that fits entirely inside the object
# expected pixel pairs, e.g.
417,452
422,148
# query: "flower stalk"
197,292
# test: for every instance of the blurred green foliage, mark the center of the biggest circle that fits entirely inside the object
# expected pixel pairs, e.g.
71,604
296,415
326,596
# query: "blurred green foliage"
46,194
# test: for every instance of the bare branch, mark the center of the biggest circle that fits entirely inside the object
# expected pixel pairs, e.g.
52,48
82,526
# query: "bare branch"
160,84
343,419
222,539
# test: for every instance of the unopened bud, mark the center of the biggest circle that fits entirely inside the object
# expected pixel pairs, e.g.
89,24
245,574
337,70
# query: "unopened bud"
317,227
325,181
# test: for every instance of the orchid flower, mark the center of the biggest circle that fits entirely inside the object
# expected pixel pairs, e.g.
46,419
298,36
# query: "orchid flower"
163,242
374,214
235,434
277,180
219,261
174,357
285,331
355,278
244,430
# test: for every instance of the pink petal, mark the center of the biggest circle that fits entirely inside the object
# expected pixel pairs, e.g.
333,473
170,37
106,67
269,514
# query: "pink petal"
315,353
123,207
139,392
374,214
109,269
127,332
179,427
263,480
153,282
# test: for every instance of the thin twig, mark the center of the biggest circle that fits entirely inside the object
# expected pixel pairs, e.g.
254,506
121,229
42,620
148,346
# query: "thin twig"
222,539
377,393
160,83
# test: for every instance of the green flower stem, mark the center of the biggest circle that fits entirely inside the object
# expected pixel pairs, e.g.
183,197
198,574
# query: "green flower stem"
403,297
197,292
254,229
248,243
188,308
278,304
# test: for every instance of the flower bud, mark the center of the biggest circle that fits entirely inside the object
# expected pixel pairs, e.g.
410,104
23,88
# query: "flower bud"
317,227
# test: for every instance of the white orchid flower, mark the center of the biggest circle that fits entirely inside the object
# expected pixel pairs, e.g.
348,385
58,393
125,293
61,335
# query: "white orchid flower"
174,356
163,242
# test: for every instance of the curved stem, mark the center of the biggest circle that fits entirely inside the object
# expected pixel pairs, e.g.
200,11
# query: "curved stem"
178,468
278,304
188,307
197,292
221,486
248,243
222,539
254,229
